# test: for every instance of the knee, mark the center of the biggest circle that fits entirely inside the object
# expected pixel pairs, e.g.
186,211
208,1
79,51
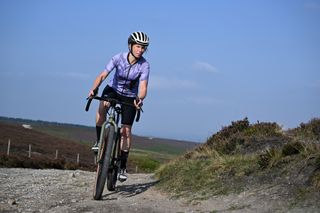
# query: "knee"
102,108
126,131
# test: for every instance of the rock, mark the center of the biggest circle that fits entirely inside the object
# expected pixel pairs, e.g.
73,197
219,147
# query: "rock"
138,191
12,201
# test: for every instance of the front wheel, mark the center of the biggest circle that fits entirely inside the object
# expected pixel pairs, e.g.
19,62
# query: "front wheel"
114,164
105,149
112,179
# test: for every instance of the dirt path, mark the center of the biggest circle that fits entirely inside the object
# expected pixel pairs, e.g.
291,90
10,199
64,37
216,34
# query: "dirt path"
27,190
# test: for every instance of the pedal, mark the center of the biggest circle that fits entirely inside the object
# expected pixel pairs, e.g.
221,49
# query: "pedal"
95,149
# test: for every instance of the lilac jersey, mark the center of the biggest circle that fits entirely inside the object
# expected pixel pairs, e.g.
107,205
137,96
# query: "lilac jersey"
127,77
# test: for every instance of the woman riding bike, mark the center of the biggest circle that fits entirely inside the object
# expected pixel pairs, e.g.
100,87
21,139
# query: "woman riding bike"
129,84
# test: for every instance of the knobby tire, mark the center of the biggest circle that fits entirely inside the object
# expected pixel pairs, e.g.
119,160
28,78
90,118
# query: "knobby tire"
104,158
114,167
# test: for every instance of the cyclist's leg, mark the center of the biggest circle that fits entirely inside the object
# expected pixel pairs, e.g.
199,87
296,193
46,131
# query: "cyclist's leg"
102,110
126,137
100,119
101,113
125,145
127,118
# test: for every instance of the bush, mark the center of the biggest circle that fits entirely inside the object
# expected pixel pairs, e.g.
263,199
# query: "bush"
292,148
37,162
308,131
243,137
264,129
268,158
224,164
318,162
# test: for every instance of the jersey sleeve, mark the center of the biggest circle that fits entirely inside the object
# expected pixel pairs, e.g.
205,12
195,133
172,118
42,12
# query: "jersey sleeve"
145,72
111,64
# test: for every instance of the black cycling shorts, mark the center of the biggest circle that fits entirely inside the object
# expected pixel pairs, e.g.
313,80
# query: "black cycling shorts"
127,112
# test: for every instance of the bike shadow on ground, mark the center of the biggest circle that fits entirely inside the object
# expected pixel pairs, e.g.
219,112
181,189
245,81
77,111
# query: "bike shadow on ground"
129,190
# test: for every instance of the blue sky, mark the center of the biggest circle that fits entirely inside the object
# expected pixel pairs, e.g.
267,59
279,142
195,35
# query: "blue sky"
212,61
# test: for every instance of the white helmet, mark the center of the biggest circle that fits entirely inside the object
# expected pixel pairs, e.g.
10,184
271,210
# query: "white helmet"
138,38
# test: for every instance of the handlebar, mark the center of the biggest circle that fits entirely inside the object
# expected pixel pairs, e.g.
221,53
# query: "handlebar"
95,92
113,102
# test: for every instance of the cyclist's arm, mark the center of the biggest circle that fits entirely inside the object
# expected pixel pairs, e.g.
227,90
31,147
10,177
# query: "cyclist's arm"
143,87
143,83
98,81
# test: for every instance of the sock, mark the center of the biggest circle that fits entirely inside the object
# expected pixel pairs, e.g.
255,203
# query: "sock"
124,159
98,131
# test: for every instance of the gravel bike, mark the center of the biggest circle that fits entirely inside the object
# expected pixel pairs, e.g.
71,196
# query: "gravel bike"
108,155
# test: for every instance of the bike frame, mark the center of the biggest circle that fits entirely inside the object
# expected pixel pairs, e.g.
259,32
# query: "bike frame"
109,147
112,120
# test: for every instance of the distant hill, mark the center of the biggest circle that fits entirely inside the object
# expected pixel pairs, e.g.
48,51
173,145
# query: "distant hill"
86,134
43,149
70,139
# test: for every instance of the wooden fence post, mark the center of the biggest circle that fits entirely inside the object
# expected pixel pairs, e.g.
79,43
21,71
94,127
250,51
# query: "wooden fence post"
29,150
78,158
8,150
57,152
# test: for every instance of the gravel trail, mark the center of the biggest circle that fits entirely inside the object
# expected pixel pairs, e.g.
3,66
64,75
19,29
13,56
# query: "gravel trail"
28,190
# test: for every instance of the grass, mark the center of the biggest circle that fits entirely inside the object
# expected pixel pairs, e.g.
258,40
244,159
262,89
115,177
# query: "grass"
243,155
307,131
147,161
203,177
159,156
238,207
162,148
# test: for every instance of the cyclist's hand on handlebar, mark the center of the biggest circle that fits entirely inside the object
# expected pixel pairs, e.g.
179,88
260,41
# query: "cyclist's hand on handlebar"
138,103
93,92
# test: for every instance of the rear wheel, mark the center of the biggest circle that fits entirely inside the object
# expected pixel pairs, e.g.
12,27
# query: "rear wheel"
103,157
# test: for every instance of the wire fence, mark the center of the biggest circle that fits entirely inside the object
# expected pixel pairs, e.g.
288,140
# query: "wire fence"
30,153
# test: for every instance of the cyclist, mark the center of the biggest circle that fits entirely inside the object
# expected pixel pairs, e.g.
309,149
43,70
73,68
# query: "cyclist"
129,84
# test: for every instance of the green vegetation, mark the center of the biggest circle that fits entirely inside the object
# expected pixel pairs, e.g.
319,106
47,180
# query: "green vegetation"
243,155
307,132
202,177
164,149
147,161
